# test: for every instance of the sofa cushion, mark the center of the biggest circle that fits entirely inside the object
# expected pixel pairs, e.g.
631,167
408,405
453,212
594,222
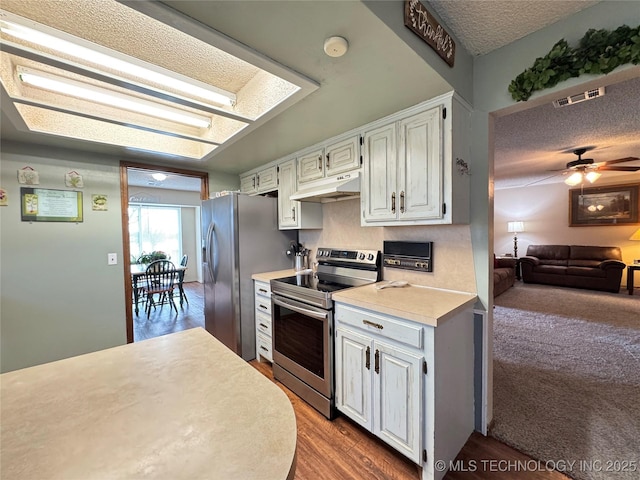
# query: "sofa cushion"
585,263
553,269
586,272
587,252
556,253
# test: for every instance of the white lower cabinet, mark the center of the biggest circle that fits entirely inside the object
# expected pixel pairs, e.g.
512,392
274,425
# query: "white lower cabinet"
379,384
408,383
263,321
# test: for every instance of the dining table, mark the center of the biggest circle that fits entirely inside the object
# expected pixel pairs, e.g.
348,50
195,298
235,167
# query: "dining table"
138,271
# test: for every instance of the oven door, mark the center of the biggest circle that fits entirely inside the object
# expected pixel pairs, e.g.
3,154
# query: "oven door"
302,342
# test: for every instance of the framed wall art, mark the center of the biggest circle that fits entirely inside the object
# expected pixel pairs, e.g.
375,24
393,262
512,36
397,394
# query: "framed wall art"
45,205
608,205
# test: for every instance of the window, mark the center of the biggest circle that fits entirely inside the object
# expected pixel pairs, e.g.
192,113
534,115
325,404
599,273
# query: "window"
153,228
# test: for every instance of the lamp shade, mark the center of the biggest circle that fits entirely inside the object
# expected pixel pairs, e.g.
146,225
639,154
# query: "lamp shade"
515,227
636,235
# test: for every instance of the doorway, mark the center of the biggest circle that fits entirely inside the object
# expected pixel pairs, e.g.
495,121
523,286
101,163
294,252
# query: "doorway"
125,197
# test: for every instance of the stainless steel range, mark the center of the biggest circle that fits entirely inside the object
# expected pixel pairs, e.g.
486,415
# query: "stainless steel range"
302,311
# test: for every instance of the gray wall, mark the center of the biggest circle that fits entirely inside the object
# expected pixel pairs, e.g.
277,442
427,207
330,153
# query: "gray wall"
59,298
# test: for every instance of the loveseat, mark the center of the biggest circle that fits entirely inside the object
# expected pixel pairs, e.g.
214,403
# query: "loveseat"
578,266
504,274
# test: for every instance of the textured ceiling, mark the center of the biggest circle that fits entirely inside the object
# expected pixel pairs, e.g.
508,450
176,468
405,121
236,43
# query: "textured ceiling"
484,26
292,33
531,143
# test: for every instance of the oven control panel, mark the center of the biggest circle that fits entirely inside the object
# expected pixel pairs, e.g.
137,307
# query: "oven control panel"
370,257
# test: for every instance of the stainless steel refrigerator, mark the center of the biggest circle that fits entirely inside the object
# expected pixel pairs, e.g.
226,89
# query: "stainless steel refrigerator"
241,238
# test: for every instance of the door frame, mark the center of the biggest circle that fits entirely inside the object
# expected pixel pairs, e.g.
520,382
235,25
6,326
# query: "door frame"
124,204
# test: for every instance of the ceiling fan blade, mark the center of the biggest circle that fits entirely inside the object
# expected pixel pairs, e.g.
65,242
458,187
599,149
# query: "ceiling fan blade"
619,169
620,160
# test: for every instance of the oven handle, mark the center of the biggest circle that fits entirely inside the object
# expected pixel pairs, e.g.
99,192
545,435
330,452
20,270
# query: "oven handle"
320,315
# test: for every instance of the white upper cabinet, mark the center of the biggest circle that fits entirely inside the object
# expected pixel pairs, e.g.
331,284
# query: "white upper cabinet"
416,166
330,159
262,181
311,165
342,156
293,214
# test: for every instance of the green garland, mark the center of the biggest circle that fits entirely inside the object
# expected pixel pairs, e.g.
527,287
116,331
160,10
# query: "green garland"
599,52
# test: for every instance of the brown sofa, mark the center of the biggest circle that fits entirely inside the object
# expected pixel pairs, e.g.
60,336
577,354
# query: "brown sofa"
504,274
578,266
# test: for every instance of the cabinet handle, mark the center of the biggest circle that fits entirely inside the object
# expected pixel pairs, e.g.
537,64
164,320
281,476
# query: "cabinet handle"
367,361
393,202
377,359
293,213
402,201
328,160
262,290
372,324
262,306
258,178
320,162
263,325
264,348
254,182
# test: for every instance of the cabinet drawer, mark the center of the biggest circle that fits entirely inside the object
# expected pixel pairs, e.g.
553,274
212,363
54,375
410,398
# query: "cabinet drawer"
381,325
264,347
263,289
263,305
263,323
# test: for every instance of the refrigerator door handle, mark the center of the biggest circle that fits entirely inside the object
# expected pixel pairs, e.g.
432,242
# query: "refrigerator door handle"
209,240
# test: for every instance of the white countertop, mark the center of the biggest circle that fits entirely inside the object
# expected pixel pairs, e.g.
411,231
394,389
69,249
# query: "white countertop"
268,276
180,406
431,306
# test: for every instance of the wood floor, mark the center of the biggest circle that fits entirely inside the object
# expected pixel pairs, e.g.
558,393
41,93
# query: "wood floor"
340,449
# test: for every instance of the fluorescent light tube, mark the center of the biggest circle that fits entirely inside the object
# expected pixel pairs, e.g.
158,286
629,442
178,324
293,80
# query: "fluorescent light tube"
218,96
91,93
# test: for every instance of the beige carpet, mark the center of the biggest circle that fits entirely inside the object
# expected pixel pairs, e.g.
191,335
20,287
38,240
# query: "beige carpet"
567,378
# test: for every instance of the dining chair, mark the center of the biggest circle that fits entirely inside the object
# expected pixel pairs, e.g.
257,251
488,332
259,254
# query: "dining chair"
180,282
161,277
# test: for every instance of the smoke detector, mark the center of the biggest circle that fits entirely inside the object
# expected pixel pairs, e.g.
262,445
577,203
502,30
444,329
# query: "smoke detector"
580,97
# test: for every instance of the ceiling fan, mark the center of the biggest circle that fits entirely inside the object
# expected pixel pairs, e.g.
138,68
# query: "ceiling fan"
585,168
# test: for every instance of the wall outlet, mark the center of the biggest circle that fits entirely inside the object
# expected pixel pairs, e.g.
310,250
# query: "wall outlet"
112,258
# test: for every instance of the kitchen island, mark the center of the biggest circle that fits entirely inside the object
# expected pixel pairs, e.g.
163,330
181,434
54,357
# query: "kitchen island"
180,406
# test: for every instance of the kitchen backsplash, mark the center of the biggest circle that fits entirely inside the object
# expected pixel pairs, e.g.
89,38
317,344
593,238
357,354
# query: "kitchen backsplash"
452,253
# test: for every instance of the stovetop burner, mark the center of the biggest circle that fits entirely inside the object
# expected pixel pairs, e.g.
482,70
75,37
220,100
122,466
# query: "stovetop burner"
312,282
337,269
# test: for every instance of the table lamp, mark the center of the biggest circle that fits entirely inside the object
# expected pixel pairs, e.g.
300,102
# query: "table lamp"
515,227
636,236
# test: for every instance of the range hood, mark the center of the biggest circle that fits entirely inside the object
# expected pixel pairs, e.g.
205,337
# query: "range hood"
331,189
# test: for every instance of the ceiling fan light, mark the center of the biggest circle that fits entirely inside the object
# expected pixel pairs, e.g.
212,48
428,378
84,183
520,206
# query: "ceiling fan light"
574,179
592,176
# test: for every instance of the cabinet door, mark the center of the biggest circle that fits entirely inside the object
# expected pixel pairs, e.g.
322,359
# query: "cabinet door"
380,167
287,209
267,179
248,183
396,405
353,355
311,166
420,158
342,156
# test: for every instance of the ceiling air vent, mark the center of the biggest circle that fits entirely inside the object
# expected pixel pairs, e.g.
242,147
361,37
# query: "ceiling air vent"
580,97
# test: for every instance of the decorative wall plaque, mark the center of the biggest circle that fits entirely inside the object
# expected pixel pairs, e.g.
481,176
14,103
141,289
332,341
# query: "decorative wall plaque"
418,19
